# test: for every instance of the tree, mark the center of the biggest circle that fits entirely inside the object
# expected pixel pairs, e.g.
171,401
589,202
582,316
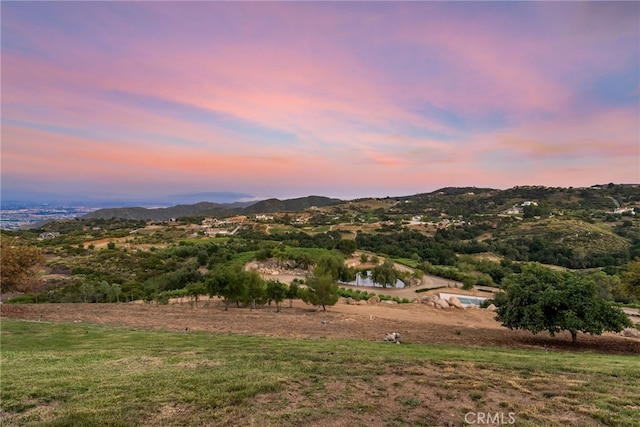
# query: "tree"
256,290
304,260
280,253
116,289
540,298
18,260
333,265
321,290
385,274
293,292
226,283
346,246
276,292
194,290
631,279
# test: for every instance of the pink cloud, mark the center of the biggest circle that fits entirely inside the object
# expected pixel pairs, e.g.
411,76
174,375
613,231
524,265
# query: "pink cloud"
601,136
343,90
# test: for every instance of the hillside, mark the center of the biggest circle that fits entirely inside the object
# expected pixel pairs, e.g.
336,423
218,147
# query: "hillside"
568,242
290,205
213,209
159,214
469,201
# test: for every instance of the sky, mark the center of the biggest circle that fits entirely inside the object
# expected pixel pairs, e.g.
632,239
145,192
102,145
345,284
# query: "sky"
340,99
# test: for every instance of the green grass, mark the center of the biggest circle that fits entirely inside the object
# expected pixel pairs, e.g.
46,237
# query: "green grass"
81,374
408,262
282,230
244,257
314,253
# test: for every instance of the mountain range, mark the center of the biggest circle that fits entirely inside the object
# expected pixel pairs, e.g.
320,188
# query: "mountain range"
451,201
213,209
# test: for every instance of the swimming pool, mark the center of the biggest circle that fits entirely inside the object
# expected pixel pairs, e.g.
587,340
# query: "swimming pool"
465,300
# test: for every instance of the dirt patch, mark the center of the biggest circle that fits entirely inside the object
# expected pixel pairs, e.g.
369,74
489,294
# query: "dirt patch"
416,323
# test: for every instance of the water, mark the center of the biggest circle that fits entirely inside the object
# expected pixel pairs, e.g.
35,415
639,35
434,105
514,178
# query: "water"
366,281
465,300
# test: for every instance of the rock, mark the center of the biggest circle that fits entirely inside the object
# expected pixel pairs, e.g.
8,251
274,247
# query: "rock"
392,337
388,301
431,303
373,300
441,303
411,281
428,298
631,332
455,302
348,300
492,307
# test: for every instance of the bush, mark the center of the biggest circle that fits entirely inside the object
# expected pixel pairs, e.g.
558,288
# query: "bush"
486,303
22,299
430,289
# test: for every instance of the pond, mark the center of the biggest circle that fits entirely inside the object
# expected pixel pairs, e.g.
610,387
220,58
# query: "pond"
362,280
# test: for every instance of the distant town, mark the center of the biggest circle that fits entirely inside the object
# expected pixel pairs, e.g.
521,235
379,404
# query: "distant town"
14,216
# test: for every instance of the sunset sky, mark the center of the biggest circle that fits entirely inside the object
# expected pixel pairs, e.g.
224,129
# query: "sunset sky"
341,99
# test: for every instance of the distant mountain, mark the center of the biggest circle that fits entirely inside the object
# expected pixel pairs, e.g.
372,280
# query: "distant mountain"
160,214
107,200
224,197
290,205
468,201
213,209
451,201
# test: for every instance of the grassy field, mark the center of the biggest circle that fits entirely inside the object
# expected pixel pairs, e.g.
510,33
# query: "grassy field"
75,374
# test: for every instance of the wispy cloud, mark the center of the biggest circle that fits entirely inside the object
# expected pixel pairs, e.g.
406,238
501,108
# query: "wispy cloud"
299,98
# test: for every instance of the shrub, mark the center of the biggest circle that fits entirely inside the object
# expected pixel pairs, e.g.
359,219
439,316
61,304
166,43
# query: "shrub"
22,299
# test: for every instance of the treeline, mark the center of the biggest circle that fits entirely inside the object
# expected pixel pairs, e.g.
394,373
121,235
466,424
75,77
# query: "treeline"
186,268
443,247
118,274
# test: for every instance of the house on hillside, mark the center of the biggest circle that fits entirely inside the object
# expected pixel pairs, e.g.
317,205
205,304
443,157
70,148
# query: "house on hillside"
48,235
262,217
515,210
621,211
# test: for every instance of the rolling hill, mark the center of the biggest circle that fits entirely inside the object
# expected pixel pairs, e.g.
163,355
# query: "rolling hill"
213,209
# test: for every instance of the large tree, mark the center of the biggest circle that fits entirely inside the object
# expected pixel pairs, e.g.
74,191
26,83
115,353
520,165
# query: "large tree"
346,246
631,279
227,282
293,292
385,274
276,292
539,299
18,260
321,290
256,289
332,264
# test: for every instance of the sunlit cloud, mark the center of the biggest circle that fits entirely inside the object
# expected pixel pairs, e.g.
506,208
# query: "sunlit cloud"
289,99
